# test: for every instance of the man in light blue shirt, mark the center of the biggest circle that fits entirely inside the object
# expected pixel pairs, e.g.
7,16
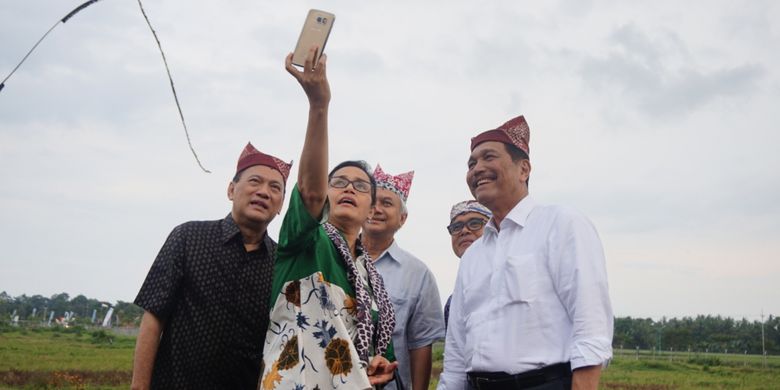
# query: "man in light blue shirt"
411,285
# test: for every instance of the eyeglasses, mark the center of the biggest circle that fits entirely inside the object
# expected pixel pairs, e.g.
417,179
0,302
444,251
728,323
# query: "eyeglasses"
472,224
343,182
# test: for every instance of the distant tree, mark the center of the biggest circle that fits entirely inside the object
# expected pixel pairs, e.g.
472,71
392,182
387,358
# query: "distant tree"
129,314
59,303
712,333
80,305
6,304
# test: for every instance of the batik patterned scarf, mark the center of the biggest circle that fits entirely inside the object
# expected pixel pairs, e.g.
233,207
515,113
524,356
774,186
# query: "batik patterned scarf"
365,325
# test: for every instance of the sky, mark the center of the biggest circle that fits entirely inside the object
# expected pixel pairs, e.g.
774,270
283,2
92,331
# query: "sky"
654,119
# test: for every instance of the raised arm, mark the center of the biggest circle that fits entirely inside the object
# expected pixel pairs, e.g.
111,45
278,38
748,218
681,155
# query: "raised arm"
313,165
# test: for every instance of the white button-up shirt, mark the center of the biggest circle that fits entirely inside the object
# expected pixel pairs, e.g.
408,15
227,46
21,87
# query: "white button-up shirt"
530,295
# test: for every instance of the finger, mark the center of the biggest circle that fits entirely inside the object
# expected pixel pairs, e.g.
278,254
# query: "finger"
371,369
291,68
377,364
308,64
288,60
321,64
375,380
381,378
391,367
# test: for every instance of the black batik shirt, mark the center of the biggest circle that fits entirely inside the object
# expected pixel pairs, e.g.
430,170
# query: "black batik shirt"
212,296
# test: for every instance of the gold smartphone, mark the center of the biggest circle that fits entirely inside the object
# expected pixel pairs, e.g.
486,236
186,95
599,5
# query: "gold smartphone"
315,31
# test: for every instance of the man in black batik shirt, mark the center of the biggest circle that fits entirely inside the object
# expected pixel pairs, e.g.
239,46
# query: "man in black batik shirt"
207,292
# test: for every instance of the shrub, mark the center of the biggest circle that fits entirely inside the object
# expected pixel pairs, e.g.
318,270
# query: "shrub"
705,361
102,337
77,330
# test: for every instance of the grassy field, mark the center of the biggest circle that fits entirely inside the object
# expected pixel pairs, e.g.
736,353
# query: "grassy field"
65,358
77,359
643,370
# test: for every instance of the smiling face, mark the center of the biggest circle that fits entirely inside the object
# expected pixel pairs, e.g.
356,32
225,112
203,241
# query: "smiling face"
388,215
349,208
494,179
257,196
463,239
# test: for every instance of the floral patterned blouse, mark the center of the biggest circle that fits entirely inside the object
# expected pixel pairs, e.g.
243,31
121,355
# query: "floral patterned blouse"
322,331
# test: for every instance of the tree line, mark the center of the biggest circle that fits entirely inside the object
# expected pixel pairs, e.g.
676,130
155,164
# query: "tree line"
37,309
698,334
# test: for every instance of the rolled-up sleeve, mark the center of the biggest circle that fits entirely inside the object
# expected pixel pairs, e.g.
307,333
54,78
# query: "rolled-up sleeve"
162,283
582,285
426,325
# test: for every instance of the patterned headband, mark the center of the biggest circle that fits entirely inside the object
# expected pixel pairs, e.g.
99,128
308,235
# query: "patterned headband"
400,184
469,206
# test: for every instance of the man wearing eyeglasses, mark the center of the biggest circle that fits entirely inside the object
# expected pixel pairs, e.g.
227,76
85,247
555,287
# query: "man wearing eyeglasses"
408,280
467,221
531,304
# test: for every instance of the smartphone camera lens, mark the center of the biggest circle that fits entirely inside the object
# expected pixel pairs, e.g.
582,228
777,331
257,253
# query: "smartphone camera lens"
319,19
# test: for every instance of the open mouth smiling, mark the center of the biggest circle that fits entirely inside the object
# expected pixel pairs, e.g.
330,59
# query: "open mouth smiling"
482,181
376,220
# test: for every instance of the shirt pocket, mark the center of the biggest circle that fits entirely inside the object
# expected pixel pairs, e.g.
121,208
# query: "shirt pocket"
521,278
401,308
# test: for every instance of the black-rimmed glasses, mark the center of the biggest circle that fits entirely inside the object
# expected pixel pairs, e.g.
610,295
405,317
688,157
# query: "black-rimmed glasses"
342,182
472,224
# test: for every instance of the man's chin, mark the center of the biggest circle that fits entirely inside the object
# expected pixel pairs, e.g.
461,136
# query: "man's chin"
375,228
484,196
263,217
346,214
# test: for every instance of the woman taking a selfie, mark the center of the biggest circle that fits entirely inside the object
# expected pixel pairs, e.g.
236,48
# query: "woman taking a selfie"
331,318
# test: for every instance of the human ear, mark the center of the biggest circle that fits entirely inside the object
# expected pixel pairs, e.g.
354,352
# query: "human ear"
231,188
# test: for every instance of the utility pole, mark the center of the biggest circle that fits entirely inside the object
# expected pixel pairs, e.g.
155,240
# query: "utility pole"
763,342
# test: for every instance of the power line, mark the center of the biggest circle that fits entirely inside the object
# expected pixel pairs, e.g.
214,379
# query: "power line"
175,97
165,62
63,20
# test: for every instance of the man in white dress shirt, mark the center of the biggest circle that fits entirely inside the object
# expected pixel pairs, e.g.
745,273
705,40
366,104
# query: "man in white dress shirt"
531,306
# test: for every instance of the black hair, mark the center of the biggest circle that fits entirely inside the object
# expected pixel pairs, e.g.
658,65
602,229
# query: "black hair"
517,154
237,177
363,166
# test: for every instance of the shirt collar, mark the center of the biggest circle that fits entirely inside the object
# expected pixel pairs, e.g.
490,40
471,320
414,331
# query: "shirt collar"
518,215
229,229
393,252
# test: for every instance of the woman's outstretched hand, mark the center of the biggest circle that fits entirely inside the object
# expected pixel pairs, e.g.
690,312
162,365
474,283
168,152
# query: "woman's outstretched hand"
313,79
380,370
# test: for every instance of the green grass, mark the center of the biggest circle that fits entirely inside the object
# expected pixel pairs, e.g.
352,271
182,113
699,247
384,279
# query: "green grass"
56,358
653,374
630,370
78,359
